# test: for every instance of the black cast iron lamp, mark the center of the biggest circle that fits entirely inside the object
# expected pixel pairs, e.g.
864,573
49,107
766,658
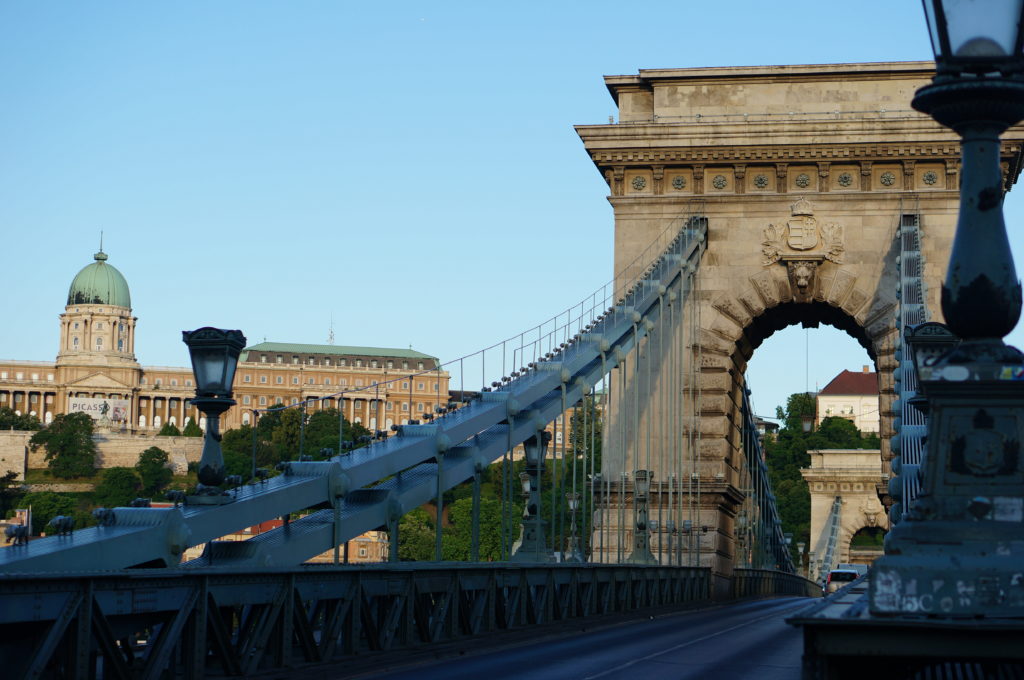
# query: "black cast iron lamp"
214,354
975,36
978,91
947,556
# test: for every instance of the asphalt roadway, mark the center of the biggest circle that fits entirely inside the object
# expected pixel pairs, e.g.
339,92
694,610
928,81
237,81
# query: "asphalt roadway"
742,640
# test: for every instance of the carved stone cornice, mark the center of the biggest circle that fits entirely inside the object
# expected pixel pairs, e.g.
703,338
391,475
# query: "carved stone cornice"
791,153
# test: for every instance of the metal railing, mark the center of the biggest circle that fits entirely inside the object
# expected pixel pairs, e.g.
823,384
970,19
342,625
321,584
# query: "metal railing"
195,624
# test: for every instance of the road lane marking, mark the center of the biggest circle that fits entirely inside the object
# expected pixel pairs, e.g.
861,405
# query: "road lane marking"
681,645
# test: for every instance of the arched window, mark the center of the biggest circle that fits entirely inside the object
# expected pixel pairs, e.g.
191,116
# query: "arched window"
156,421
99,343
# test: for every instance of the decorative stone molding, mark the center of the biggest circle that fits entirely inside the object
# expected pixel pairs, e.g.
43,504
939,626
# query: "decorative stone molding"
618,176
740,172
801,276
823,171
951,167
802,244
803,233
781,176
698,179
659,176
793,153
865,175
908,175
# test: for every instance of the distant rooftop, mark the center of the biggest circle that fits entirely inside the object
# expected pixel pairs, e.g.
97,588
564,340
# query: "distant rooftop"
863,382
334,350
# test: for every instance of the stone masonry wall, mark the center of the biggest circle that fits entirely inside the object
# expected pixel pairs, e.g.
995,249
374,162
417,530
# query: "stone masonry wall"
115,450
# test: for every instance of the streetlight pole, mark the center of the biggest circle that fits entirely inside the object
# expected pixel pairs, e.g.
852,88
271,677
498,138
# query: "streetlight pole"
531,546
641,537
951,554
574,553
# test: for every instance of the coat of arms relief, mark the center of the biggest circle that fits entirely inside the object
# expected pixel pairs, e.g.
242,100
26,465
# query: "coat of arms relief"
802,243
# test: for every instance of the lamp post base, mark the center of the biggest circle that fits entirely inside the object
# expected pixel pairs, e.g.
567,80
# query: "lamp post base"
951,569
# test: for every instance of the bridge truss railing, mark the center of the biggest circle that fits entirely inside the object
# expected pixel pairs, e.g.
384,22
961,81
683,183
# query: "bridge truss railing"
769,582
212,623
374,486
761,541
825,555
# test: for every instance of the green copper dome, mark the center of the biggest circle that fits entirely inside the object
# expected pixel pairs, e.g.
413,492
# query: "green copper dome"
99,284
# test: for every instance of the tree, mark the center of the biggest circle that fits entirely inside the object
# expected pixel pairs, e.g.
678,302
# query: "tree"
153,471
458,538
192,429
9,420
416,537
120,486
169,430
70,450
285,438
10,490
46,505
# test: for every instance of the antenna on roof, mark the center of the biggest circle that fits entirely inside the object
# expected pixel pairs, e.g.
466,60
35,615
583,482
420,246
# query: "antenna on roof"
101,240
330,333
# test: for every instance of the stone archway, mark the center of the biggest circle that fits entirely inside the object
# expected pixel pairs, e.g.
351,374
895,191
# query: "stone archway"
854,476
804,175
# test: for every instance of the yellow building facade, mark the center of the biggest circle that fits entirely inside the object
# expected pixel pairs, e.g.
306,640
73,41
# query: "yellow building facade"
96,370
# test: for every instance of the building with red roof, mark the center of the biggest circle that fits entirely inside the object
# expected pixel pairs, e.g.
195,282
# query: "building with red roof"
852,395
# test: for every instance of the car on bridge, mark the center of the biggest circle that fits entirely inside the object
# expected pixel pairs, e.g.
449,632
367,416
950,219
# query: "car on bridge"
837,578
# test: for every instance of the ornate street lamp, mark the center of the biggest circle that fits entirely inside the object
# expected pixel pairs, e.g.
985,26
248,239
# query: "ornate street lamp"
214,355
641,537
531,546
574,553
949,556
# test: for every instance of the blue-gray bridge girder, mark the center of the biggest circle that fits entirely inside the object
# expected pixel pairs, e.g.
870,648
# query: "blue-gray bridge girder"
461,442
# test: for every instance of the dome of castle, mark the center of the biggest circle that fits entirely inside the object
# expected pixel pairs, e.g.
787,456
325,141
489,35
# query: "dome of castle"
99,284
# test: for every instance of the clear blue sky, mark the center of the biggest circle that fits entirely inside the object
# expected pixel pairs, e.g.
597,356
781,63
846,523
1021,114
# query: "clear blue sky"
409,168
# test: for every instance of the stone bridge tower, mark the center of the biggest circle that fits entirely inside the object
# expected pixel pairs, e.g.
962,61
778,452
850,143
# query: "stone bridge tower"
804,174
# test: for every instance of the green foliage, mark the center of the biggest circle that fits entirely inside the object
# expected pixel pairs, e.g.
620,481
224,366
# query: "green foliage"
169,429
10,491
9,420
153,471
458,538
278,434
237,447
285,438
70,450
120,486
46,505
192,429
416,537
868,537
786,453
